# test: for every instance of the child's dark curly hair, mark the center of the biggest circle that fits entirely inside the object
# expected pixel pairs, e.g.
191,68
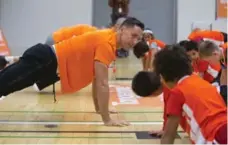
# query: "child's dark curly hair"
172,63
145,83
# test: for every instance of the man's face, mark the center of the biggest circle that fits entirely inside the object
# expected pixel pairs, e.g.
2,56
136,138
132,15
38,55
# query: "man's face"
194,55
129,36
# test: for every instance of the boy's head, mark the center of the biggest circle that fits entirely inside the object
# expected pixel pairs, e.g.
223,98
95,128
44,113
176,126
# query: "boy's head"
183,43
3,62
191,48
209,52
140,49
146,84
172,63
148,34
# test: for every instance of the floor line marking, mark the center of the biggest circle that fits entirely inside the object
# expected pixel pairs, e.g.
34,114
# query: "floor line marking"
97,137
76,112
72,123
55,131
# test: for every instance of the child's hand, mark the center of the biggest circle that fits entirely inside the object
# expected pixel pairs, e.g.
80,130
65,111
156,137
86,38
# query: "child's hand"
158,133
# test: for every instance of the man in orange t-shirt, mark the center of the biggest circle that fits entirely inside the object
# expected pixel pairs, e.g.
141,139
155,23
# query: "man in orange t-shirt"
57,37
61,35
191,99
79,63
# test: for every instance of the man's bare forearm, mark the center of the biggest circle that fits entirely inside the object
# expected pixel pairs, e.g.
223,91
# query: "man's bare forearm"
103,101
94,95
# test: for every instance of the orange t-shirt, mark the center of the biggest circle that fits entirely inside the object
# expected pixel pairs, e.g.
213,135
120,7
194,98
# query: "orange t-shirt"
201,105
207,71
208,34
67,32
76,57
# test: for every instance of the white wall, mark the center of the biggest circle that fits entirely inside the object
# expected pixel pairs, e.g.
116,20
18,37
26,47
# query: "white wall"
190,11
220,24
27,22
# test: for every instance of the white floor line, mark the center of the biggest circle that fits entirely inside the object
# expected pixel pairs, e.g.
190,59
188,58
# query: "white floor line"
74,123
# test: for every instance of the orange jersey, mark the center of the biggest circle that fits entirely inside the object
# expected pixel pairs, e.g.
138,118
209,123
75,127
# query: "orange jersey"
76,57
212,72
67,32
207,71
207,34
199,103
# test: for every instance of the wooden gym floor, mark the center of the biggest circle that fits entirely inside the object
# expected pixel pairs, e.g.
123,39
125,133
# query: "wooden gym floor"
28,117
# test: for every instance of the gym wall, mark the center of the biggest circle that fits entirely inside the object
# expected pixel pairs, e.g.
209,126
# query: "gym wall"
27,22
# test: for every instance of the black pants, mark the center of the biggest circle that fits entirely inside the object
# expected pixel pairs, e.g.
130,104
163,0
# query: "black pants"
43,83
38,62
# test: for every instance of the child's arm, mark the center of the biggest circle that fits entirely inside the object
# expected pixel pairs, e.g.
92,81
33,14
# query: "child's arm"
148,61
174,110
144,62
170,130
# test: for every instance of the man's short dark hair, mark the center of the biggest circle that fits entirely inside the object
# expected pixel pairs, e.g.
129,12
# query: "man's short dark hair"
145,83
131,22
3,62
191,45
140,49
172,63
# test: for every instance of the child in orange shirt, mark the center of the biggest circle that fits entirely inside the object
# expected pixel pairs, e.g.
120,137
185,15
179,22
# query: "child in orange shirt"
205,122
191,99
211,53
146,84
154,46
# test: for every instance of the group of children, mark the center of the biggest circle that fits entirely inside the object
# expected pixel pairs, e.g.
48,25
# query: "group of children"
192,77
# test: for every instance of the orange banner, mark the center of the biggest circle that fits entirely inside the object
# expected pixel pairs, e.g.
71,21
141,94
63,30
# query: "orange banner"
222,9
4,49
